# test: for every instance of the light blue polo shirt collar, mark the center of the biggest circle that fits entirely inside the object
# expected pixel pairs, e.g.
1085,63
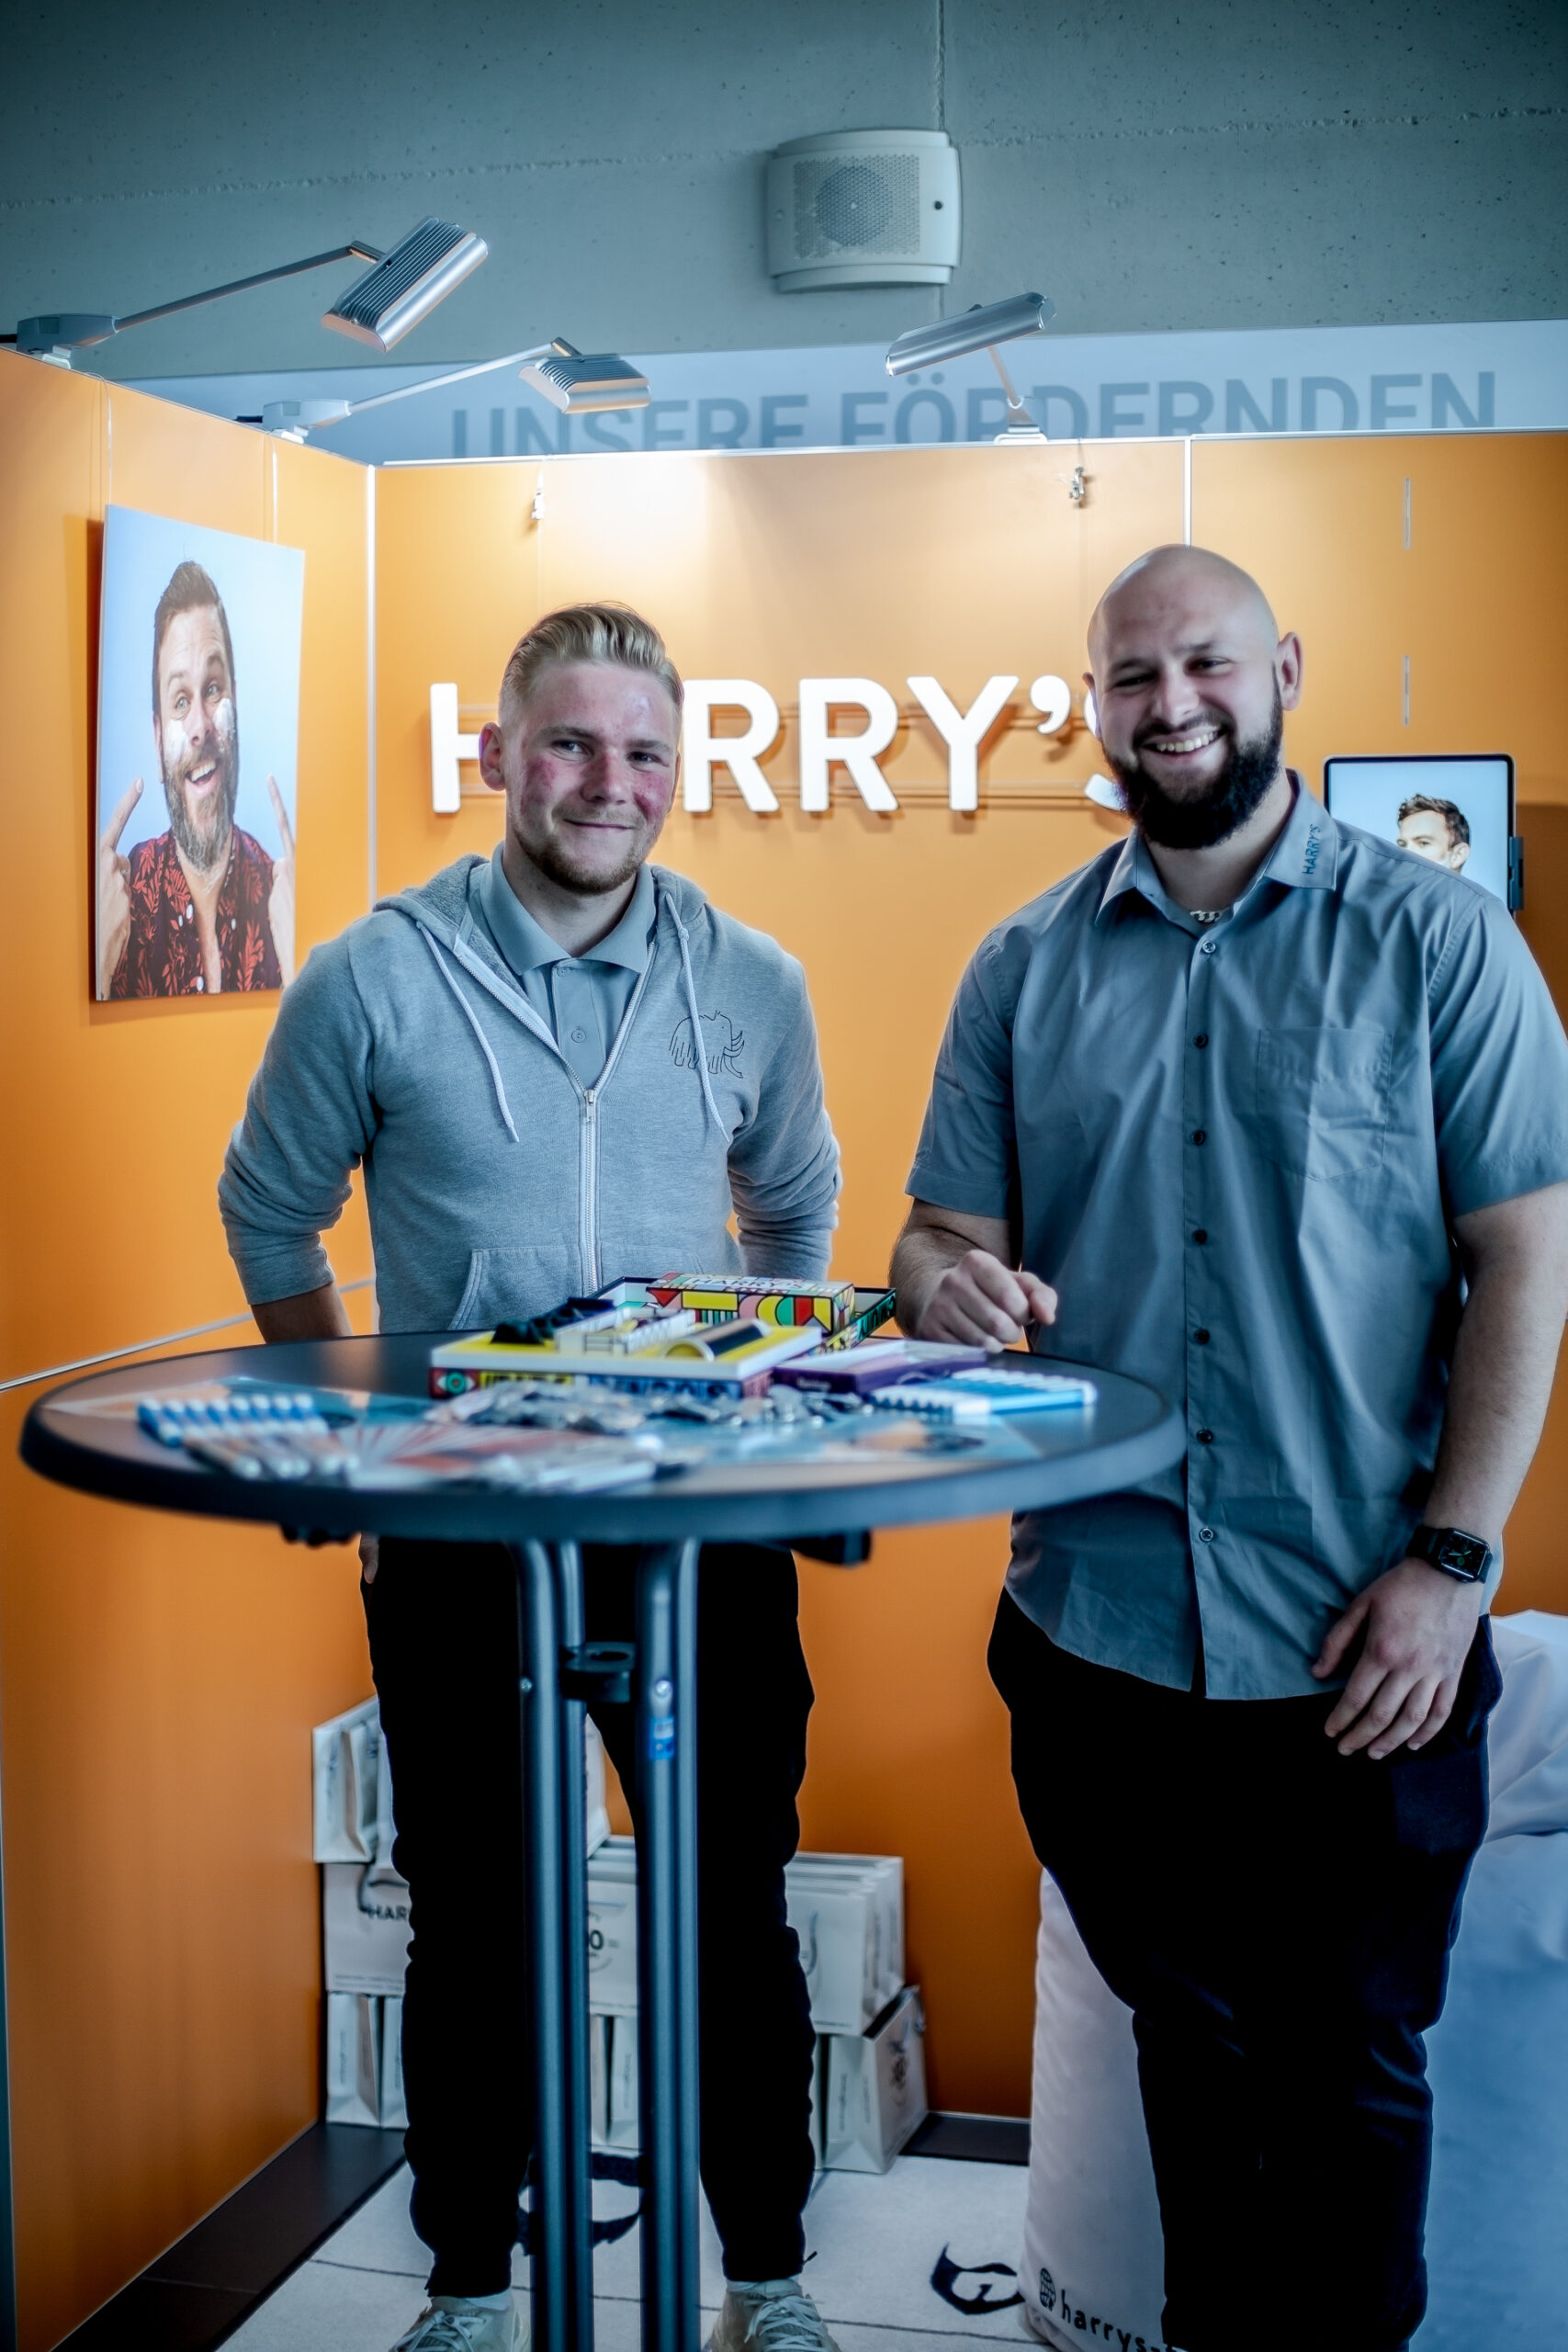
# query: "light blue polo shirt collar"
527,946
1305,856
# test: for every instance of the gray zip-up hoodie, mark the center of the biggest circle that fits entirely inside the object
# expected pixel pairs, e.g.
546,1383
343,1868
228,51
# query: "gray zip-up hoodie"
498,1184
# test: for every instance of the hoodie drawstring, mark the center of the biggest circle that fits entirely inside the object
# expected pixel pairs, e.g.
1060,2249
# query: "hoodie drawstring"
699,1051
476,1025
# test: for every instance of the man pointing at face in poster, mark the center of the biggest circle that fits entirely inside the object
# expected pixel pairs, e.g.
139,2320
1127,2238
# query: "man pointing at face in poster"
202,908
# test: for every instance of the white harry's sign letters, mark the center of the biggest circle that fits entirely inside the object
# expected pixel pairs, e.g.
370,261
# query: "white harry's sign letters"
702,750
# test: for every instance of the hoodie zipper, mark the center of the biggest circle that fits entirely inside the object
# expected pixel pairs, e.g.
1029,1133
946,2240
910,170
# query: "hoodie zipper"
588,1146
588,1192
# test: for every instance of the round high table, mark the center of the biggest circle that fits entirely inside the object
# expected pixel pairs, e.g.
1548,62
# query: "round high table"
84,1436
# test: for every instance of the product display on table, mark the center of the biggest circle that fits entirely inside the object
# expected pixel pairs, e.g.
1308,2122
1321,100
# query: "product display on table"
645,1381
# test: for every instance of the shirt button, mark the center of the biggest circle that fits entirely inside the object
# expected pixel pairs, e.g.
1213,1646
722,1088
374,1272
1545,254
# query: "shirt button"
1205,1437
1200,1339
1206,1535
1200,1041
1199,1135
1207,948
1201,1237
577,1035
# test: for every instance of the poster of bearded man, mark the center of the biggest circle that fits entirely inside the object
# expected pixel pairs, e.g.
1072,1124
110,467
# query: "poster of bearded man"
199,727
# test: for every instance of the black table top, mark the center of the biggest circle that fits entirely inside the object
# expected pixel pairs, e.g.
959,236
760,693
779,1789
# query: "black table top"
1064,1457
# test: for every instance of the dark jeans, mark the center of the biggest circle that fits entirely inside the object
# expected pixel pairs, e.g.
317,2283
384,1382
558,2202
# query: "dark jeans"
1277,1917
443,1624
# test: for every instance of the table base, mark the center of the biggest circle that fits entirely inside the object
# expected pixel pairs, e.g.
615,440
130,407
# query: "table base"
550,1605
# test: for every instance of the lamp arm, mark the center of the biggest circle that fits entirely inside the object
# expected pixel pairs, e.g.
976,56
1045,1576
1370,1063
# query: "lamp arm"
358,251
433,383
1016,413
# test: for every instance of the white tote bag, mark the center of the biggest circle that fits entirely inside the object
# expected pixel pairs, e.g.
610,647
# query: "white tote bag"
1496,2247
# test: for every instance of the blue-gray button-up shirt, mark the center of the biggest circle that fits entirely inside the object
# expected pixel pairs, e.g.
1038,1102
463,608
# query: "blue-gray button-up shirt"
1236,1150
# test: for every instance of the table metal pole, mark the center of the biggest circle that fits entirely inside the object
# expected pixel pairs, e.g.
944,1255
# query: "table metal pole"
686,1920
539,1688
579,2181
667,2054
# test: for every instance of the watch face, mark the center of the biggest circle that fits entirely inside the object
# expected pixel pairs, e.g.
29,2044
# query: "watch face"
1463,1555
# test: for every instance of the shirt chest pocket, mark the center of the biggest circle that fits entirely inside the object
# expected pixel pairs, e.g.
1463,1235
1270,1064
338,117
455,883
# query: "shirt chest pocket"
1319,1105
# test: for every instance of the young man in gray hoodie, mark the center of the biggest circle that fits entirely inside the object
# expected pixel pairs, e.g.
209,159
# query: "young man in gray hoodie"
558,1067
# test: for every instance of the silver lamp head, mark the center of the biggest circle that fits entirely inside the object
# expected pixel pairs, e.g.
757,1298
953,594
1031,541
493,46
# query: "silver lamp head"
581,382
976,330
406,284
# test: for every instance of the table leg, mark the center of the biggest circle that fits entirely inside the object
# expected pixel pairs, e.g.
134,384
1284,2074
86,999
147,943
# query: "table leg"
667,1991
539,1687
571,1627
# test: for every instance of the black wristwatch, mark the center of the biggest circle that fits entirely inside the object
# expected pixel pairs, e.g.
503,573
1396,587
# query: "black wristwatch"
1458,1555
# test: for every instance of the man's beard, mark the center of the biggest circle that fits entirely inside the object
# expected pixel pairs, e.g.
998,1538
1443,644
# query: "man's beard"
1223,809
205,846
555,860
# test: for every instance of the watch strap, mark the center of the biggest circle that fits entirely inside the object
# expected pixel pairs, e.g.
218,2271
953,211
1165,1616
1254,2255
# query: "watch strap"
1457,1554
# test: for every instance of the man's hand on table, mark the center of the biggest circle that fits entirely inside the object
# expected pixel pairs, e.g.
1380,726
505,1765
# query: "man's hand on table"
954,1283
1417,1625
985,1304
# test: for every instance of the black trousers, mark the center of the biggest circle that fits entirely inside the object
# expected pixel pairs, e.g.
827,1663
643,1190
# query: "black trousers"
1277,1917
443,1621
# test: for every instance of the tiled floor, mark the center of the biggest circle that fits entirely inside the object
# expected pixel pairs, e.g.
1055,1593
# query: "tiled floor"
874,2243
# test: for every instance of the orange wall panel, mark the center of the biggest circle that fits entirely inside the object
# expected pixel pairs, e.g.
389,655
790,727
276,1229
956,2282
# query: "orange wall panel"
158,1678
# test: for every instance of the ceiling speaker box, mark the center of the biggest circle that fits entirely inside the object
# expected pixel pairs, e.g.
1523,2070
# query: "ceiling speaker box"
864,207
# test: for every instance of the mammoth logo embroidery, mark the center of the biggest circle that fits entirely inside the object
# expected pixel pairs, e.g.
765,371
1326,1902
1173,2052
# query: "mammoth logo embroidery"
722,1046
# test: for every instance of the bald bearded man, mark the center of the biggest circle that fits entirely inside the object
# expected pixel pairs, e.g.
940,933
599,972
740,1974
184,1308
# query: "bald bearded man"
1265,1112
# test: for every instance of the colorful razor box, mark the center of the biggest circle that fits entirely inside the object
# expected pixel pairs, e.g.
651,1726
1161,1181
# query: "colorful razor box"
724,1298
722,1359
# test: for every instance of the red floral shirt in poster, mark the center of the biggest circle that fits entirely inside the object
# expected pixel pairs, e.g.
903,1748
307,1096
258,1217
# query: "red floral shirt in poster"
163,954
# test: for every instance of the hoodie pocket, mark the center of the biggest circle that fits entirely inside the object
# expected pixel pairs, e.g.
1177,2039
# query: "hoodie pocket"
508,1285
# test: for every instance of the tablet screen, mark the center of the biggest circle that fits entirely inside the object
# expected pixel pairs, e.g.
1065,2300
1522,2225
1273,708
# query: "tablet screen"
1457,812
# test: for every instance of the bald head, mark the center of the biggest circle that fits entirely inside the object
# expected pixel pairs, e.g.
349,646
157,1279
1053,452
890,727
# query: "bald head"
1193,579
1192,679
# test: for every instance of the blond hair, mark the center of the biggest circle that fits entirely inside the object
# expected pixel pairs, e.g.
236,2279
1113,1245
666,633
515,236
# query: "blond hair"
611,634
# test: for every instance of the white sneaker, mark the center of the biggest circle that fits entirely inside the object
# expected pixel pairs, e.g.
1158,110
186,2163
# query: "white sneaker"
769,2315
452,2323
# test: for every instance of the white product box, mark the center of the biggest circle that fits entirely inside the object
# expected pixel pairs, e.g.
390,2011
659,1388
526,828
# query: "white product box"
612,1928
613,2076
621,2118
875,2089
365,2061
593,1773
346,1757
881,1878
365,1929
392,2106
353,2058
848,1911
598,2079
352,1775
